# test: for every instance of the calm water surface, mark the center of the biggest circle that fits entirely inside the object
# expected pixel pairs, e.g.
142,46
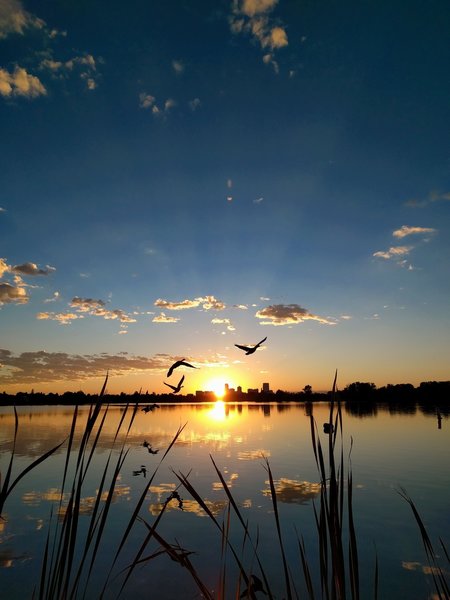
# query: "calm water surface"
389,450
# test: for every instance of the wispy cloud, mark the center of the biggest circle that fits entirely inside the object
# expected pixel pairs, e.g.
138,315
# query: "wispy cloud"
20,83
406,230
41,366
252,17
434,196
394,252
289,314
56,296
220,321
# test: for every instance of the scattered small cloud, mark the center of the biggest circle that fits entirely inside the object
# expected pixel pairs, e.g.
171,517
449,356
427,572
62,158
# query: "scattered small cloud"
289,314
251,17
406,230
56,296
169,104
13,294
194,104
258,200
207,303
146,100
86,304
32,269
217,321
393,252
62,318
14,19
178,66
162,318
20,83
2,210
240,306
434,196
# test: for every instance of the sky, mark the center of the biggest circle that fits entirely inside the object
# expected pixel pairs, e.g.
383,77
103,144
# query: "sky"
179,177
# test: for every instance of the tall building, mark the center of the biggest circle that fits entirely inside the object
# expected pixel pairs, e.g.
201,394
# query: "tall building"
265,388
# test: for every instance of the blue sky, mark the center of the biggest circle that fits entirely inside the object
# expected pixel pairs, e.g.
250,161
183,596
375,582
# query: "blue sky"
180,177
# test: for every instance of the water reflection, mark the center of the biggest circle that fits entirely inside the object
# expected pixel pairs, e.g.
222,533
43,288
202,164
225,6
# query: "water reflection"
238,436
294,492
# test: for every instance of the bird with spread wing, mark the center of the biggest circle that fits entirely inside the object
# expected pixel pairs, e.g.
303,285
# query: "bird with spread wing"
176,388
179,363
251,349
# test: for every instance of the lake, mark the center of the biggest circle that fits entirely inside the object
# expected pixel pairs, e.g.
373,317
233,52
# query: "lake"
389,450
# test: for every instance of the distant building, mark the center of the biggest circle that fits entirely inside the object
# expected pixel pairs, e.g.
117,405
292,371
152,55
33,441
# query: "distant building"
252,391
265,388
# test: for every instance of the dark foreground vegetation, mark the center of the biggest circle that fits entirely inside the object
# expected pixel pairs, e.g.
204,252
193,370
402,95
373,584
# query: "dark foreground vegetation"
71,552
429,393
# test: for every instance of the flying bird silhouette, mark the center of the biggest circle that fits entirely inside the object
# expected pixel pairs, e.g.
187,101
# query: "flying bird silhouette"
177,388
179,363
250,350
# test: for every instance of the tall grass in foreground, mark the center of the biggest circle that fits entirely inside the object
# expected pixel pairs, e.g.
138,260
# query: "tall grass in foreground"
70,557
72,551
337,546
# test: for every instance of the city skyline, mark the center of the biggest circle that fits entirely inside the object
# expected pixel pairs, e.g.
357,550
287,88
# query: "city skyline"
179,179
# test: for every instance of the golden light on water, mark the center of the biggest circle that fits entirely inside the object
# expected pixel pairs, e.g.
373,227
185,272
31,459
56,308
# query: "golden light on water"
217,412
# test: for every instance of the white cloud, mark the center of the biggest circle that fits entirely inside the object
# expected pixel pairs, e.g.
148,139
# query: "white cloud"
11,294
289,314
2,209
220,321
406,230
20,83
162,318
394,252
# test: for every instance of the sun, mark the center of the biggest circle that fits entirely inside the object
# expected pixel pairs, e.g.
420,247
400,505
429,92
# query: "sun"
217,386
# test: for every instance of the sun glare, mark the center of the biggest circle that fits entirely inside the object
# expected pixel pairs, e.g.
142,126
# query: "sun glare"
217,412
217,386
